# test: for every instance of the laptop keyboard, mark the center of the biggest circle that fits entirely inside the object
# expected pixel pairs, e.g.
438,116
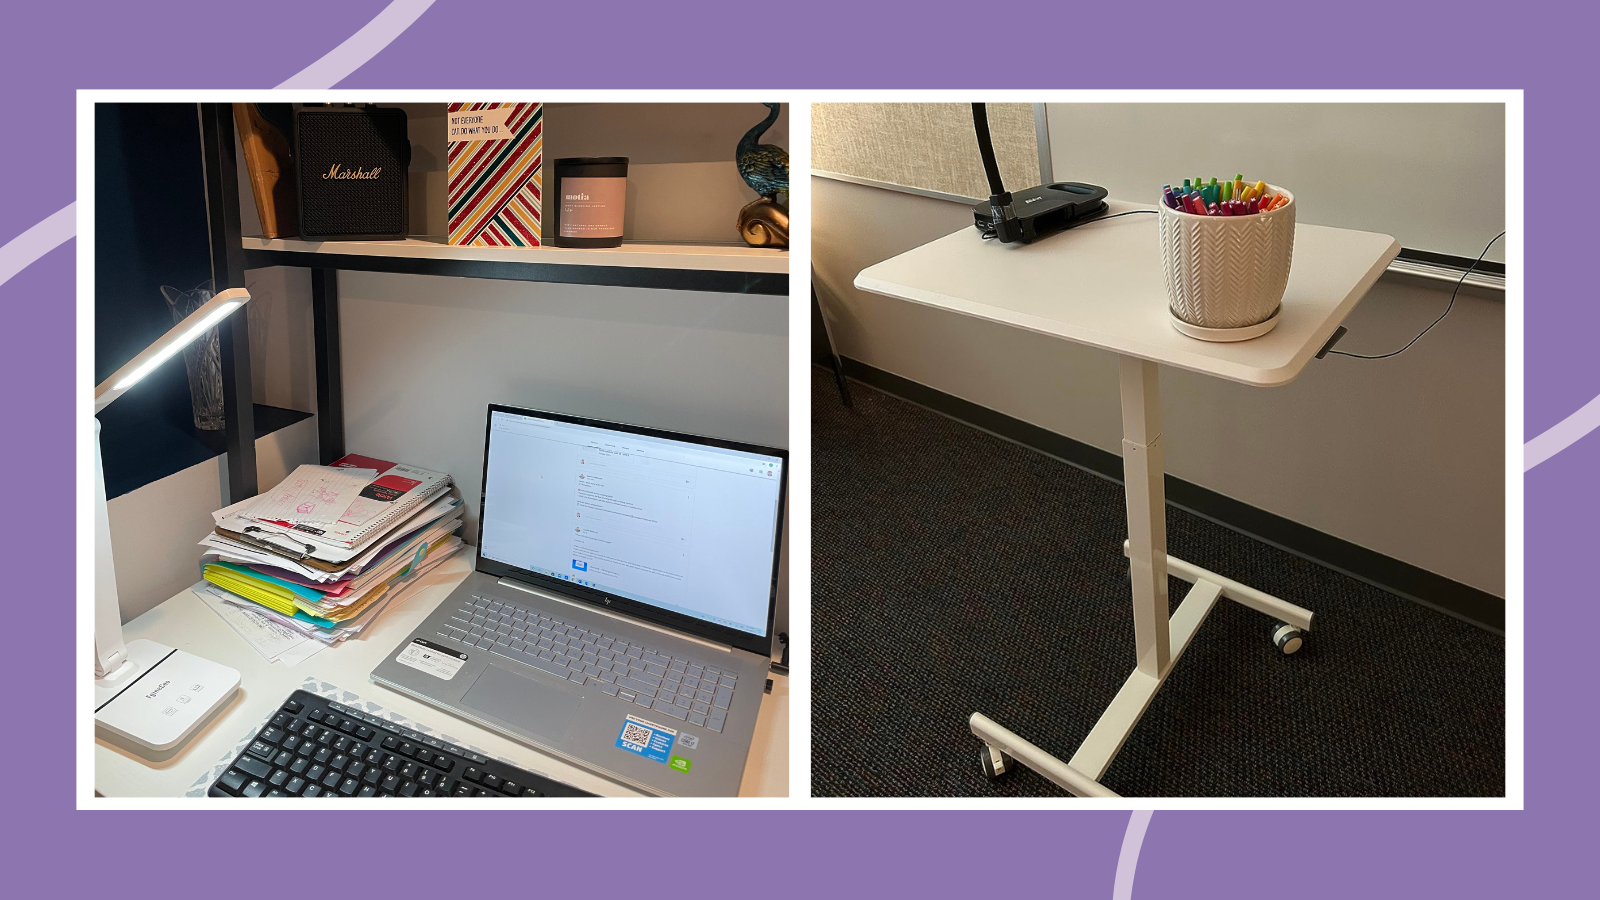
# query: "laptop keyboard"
647,677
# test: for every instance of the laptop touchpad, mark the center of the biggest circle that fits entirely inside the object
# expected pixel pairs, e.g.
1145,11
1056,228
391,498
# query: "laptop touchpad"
531,705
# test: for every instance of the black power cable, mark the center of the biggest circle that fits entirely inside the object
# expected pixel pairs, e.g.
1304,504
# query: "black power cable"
1446,312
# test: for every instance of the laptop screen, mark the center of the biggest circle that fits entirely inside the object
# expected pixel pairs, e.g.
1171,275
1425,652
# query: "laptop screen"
677,525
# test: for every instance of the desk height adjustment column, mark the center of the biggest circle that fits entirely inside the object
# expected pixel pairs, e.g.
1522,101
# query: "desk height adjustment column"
1143,471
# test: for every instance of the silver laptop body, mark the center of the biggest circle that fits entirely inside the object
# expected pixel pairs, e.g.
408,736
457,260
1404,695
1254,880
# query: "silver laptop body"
632,647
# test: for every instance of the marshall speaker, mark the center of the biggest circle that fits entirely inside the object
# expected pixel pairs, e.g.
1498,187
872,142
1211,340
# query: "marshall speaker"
351,166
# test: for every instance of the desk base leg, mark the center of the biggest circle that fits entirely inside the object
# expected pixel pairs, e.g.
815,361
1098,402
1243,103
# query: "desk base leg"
1242,594
1081,775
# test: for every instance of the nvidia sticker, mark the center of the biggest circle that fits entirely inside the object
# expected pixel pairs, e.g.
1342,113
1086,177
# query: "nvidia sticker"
679,763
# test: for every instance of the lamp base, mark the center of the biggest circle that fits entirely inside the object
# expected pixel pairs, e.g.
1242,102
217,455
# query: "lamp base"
160,696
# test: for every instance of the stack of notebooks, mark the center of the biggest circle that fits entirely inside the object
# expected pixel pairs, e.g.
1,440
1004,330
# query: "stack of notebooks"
326,551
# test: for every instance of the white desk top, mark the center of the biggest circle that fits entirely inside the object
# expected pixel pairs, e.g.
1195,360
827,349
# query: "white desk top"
184,622
1101,284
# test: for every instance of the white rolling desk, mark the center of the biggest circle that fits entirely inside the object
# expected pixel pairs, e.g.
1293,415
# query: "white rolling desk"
1101,285
184,622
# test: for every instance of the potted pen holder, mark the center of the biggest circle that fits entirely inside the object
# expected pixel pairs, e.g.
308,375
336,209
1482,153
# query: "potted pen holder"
1226,274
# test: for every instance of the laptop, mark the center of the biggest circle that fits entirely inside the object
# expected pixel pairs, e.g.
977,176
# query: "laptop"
620,614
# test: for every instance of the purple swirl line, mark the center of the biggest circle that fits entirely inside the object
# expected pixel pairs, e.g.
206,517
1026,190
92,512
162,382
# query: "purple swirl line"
1128,859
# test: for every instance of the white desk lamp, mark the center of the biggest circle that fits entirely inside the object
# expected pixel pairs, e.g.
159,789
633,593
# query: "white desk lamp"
144,692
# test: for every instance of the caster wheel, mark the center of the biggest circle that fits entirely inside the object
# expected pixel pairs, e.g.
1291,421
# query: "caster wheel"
1287,638
996,765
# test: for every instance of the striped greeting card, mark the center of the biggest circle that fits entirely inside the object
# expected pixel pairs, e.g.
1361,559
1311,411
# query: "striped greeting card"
495,169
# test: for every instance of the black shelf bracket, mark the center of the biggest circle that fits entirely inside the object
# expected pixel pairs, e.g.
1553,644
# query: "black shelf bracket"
227,271
330,380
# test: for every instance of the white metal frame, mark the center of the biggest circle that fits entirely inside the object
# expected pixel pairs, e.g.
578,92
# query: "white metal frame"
1158,640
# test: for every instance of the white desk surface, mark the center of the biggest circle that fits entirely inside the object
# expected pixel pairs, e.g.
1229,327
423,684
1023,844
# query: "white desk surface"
1101,284
186,623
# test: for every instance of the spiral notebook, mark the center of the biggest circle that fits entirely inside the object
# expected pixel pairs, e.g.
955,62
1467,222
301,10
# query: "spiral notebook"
384,503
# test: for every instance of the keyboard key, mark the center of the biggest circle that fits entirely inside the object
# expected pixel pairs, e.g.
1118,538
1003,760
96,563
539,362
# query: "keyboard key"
313,791
233,780
472,773
643,688
490,781
298,767
390,783
407,789
407,749
339,762
295,785
716,719
626,695
443,763
462,790
263,750
254,789
332,779
724,697
315,715
609,689
283,758
349,786
368,791
424,756
290,742
278,778
644,701
253,767
696,719
667,708
316,773
577,677
293,706
355,769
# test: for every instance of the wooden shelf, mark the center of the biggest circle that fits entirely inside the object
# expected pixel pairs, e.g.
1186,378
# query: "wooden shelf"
717,268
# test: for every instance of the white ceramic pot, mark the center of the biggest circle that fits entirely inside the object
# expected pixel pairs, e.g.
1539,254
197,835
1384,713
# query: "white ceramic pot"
1226,274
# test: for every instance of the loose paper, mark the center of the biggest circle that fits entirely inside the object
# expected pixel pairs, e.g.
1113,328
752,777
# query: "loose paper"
312,495
265,636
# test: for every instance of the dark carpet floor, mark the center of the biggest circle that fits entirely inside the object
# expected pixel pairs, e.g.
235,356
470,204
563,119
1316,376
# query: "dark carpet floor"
955,572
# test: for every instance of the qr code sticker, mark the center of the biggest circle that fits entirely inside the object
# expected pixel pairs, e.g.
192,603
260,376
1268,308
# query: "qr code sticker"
637,734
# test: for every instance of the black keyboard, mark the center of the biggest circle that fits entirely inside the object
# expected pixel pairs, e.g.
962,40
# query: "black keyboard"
314,747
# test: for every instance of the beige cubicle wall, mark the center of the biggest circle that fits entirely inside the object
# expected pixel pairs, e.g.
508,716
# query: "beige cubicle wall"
924,146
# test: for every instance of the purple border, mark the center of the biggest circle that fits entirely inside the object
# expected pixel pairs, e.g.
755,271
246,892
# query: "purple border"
47,50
